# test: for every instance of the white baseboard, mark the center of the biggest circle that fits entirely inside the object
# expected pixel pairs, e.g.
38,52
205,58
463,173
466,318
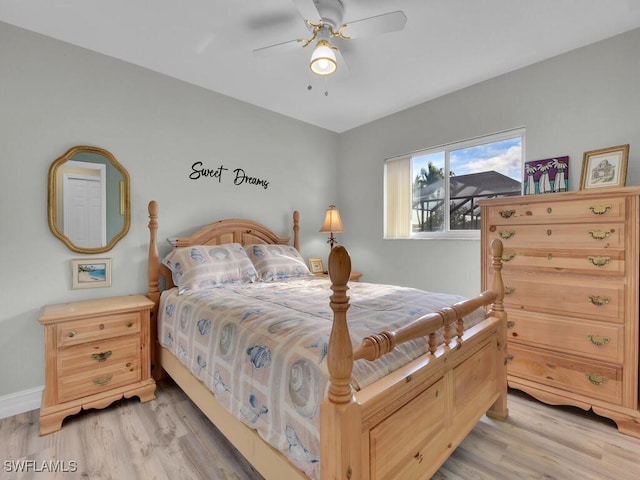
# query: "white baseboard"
20,402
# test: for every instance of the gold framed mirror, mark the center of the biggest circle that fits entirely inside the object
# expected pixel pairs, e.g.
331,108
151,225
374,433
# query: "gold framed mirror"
88,204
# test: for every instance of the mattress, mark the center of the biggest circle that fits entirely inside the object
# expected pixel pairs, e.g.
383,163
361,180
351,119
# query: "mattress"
261,349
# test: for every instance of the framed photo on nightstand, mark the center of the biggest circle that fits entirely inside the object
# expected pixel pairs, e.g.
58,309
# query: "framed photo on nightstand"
315,265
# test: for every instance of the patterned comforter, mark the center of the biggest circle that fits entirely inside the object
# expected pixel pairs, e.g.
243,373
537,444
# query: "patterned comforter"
261,348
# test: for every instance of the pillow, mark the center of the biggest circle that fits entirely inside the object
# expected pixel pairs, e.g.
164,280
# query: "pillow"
277,262
203,266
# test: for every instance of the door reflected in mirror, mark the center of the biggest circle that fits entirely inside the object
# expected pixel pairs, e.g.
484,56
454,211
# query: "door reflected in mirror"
88,199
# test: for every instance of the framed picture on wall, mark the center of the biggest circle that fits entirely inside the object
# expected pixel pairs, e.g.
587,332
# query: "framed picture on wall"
546,176
90,272
605,168
315,265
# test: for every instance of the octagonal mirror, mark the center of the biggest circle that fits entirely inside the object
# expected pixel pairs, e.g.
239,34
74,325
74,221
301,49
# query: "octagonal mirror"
88,207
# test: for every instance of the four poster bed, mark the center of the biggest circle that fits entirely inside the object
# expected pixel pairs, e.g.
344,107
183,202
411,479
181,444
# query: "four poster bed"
393,404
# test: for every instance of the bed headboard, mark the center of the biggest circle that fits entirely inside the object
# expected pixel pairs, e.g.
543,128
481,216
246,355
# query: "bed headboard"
236,230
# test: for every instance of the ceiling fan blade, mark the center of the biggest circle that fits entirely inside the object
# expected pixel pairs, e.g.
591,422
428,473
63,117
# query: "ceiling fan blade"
308,10
278,47
387,22
343,68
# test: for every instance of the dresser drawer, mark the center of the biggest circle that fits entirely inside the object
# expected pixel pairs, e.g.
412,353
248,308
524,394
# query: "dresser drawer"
587,210
560,260
573,296
594,340
98,327
582,235
572,374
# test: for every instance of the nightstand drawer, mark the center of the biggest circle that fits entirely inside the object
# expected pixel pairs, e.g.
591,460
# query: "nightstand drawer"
125,371
593,379
99,327
96,355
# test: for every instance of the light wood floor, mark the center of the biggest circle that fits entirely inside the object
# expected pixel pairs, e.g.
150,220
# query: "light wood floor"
169,438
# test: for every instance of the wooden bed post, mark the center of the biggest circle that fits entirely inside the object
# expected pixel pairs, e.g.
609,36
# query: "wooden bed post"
499,409
296,230
340,418
153,273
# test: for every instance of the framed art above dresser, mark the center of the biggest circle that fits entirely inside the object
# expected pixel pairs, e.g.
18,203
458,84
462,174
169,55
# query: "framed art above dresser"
571,264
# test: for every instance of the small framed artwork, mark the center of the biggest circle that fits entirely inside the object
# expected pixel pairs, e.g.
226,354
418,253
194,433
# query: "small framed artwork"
604,168
546,176
315,265
90,272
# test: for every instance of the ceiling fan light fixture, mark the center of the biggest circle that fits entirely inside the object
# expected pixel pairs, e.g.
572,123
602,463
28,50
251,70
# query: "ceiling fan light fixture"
323,59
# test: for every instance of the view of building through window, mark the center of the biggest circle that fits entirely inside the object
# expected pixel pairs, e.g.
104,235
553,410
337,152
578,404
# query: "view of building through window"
435,192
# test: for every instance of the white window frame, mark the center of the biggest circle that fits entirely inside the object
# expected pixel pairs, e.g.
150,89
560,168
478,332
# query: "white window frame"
390,234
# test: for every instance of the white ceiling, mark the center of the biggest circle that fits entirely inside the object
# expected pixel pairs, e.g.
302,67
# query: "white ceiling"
446,45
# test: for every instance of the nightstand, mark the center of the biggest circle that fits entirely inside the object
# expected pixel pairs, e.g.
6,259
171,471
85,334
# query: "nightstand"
96,352
354,277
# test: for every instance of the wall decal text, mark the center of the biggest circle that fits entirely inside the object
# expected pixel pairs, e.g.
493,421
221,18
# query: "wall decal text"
239,176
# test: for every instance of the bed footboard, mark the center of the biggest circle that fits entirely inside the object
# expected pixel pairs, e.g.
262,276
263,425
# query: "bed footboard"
407,424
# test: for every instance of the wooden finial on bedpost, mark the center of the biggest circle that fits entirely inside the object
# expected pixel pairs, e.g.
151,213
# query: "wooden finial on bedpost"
497,284
340,351
153,271
296,230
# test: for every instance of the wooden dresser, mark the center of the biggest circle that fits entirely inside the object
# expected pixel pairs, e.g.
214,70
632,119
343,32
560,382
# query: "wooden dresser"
571,264
96,352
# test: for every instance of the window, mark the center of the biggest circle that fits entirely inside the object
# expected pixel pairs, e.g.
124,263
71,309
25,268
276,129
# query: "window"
434,193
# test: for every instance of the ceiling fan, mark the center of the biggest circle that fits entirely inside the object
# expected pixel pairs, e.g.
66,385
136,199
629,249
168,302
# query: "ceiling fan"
324,19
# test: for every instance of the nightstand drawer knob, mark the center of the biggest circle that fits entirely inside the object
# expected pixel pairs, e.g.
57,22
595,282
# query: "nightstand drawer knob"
102,356
101,326
71,334
103,380
129,324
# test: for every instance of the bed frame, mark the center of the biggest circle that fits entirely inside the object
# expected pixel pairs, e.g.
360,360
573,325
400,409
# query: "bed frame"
404,425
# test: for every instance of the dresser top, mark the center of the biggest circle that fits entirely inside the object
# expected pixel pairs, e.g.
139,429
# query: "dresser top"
100,306
563,196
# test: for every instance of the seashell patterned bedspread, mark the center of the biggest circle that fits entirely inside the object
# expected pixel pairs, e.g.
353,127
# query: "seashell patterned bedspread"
261,348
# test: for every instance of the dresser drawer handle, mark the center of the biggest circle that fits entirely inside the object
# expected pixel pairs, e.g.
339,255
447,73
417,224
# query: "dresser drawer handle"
600,209
103,380
509,290
599,261
507,213
596,379
508,257
71,334
102,356
506,234
598,340
598,300
599,234
511,324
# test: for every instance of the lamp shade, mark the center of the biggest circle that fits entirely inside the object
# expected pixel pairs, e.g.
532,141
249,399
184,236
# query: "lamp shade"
323,59
332,221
